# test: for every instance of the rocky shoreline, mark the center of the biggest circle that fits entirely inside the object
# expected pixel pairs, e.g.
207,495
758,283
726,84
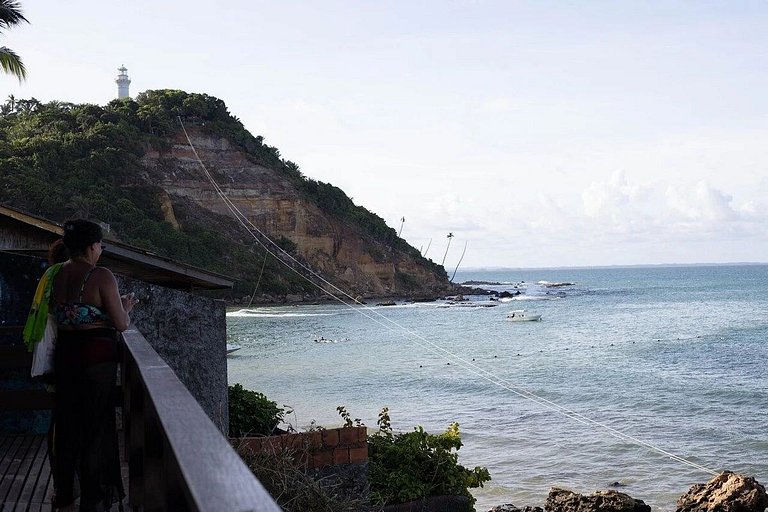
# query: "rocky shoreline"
726,492
312,299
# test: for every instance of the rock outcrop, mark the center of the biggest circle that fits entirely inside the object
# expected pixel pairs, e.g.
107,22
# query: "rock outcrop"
562,500
727,492
508,507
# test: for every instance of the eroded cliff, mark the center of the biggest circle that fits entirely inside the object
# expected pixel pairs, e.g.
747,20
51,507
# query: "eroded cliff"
274,203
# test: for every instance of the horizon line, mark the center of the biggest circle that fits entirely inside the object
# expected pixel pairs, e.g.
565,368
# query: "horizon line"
627,265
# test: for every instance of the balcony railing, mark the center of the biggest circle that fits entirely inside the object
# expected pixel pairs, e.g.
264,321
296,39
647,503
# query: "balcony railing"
177,458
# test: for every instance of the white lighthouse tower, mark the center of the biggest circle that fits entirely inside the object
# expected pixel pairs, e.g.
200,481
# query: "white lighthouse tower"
122,82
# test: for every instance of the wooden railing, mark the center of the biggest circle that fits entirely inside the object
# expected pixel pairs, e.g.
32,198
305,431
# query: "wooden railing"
177,458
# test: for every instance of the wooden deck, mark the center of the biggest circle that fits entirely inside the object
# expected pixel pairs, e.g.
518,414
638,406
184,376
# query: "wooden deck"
26,484
25,475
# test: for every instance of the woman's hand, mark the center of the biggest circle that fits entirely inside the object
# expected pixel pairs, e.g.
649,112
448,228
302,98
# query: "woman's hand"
128,302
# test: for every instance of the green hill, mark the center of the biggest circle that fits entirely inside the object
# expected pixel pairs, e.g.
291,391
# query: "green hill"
62,160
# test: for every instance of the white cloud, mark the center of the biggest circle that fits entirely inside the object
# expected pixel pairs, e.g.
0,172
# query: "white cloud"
701,203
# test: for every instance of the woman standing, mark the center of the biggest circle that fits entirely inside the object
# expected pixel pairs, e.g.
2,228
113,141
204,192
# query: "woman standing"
89,311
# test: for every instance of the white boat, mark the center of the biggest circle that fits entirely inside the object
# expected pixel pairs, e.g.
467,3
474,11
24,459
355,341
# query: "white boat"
520,315
231,347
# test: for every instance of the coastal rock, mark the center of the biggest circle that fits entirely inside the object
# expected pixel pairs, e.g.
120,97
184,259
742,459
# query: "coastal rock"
508,507
562,500
727,492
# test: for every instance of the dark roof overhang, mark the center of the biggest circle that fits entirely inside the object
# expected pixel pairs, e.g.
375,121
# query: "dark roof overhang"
24,233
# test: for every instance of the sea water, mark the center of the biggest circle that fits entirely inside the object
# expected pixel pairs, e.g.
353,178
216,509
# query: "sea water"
675,357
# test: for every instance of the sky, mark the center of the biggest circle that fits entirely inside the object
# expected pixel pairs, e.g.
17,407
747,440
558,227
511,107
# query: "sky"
571,133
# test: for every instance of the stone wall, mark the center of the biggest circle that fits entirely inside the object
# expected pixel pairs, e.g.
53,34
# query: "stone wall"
190,333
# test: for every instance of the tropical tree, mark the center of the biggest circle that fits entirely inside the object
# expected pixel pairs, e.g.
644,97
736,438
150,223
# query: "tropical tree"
450,237
10,15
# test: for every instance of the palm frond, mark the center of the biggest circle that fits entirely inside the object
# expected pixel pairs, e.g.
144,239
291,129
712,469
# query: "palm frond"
10,13
11,63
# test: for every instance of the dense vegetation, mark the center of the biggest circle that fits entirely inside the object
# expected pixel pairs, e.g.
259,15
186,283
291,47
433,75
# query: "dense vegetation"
413,465
62,160
251,413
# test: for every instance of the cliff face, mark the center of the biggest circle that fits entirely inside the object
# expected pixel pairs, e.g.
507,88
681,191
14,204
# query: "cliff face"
333,246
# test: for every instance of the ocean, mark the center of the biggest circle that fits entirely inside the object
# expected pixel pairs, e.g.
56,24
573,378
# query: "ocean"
675,357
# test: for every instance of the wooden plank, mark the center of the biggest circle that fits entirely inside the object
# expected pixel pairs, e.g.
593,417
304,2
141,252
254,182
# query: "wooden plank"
22,478
10,452
5,443
44,488
12,463
35,472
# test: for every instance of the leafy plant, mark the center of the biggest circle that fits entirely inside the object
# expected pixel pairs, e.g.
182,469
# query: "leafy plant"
251,413
413,465
348,421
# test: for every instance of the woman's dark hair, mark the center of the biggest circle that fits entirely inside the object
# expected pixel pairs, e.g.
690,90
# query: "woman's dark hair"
79,234
58,252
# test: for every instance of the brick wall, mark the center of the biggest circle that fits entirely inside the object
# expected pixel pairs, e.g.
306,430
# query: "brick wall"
331,447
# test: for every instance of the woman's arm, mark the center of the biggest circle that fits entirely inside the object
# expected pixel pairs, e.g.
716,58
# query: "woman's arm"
116,307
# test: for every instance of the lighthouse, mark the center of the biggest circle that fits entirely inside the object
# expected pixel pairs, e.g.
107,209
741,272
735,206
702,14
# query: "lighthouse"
122,82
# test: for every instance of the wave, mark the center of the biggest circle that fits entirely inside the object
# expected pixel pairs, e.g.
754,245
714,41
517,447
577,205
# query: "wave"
545,296
250,313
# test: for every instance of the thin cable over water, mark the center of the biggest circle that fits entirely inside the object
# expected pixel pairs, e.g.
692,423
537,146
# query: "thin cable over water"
415,337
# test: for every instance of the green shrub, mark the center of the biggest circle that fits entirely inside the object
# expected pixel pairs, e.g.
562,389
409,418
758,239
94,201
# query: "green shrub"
251,413
414,465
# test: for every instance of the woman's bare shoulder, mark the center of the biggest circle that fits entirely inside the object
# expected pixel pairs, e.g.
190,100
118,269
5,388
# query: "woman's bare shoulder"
102,274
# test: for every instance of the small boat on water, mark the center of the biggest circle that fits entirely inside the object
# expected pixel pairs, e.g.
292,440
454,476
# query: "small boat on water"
521,315
231,347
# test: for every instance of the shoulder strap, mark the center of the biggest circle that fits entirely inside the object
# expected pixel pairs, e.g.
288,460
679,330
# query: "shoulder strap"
85,280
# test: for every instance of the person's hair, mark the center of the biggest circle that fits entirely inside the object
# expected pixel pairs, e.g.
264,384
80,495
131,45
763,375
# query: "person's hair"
79,234
58,252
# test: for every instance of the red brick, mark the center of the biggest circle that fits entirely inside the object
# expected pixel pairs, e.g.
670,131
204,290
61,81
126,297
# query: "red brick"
314,440
331,438
340,456
362,435
270,445
249,444
322,458
358,455
348,436
293,441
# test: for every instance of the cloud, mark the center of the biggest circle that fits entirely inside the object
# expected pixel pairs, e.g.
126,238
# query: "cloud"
701,203
616,200
690,211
